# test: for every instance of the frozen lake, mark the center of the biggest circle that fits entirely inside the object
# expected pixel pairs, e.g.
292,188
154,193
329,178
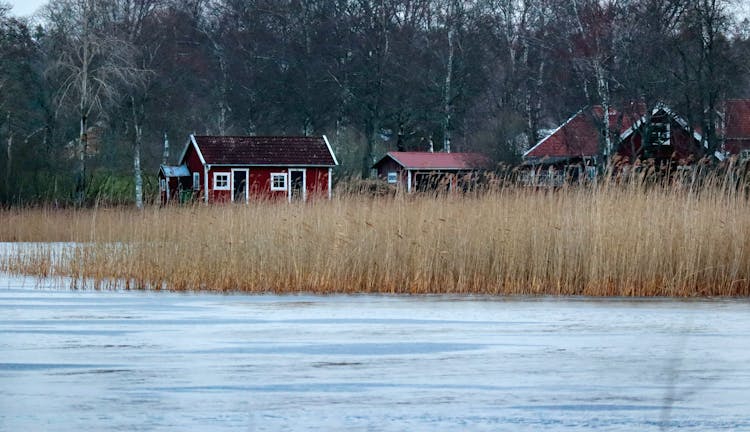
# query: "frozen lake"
95,361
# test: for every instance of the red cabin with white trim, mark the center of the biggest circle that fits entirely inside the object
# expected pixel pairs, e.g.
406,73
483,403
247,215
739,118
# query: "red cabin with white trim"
240,168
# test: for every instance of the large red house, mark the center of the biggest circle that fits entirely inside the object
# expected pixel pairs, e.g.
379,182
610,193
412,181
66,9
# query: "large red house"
428,170
669,136
238,168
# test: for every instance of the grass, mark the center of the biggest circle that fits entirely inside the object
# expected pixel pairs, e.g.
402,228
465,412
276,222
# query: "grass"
596,241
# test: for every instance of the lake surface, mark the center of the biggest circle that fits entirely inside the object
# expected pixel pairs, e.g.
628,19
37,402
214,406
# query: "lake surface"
96,361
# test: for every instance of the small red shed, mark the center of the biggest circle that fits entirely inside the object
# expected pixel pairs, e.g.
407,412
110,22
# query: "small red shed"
430,171
238,168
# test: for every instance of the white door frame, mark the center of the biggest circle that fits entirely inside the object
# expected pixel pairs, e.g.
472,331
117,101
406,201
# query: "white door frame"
247,183
304,183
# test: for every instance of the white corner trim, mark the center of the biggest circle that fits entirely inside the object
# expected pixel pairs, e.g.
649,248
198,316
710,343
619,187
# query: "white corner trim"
330,150
330,191
205,181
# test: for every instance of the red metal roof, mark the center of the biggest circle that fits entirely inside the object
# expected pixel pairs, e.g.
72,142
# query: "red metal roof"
266,150
439,161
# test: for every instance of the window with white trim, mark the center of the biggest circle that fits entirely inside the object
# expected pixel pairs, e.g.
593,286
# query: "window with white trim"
221,181
163,184
392,177
196,181
278,181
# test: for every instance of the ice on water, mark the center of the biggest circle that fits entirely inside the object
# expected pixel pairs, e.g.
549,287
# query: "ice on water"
93,361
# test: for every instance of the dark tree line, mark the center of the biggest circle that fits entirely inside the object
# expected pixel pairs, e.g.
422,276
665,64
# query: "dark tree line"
89,89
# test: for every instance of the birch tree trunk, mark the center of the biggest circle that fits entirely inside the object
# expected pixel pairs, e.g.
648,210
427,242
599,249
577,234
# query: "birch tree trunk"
603,90
137,174
223,88
448,106
80,191
9,158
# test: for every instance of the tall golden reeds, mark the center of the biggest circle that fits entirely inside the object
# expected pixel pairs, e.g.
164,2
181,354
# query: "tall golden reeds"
607,240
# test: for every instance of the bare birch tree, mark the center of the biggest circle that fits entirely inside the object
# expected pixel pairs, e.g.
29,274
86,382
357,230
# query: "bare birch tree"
91,65
130,16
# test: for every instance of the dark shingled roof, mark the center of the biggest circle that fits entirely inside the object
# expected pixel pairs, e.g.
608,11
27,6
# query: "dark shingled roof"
268,150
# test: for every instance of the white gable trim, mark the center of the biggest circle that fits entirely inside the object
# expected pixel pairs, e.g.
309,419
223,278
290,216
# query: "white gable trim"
552,133
197,150
661,107
330,150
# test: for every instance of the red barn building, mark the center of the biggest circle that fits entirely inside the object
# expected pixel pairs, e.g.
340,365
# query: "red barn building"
429,171
660,134
238,168
580,138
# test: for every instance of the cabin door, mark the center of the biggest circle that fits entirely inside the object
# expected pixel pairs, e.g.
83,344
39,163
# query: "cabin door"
239,185
297,181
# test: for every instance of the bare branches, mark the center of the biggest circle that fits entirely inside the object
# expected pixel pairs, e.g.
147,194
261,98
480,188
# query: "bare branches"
92,64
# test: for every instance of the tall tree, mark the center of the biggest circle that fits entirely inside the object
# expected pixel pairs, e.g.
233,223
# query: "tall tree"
91,64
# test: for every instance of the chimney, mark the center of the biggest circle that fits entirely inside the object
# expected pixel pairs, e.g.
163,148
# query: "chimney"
432,147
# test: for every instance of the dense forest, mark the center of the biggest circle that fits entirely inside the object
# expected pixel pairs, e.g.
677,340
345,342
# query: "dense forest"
91,89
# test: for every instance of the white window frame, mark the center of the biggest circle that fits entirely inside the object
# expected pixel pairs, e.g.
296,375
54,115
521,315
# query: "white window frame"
163,184
196,181
392,177
279,175
228,180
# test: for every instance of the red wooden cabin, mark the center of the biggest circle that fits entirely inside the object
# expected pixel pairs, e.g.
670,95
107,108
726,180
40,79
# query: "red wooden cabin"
428,170
240,168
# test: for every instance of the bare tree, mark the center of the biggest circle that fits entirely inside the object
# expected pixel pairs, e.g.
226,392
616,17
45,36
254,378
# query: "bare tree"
130,16
91,64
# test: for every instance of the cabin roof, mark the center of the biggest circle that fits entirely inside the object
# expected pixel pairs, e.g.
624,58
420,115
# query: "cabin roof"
438,161
265,150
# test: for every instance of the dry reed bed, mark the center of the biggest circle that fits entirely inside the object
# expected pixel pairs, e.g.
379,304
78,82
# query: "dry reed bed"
609,241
